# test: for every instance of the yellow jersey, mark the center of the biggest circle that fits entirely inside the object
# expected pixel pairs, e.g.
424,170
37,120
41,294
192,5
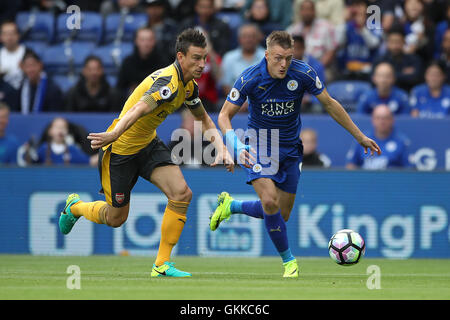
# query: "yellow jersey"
165,87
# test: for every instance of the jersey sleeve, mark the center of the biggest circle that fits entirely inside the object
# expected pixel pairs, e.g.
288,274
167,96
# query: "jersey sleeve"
163,89
311,81
238,94
193,101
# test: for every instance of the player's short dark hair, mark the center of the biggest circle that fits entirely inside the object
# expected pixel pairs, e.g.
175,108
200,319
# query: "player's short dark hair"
189,37
281,38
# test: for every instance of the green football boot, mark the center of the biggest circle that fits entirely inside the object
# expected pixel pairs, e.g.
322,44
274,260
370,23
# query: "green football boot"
222,211
168,270
290,269
67,220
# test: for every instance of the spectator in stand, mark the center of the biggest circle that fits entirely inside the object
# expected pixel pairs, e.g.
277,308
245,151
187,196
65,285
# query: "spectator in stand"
182,9
318,33
280,11
92,93
37,93
11,54
8,143
332,11
408,66
247,54
441,28
311,157
384,92
8,94
229,5
309,102
59,148
445,55
359,44
208,83
259,14
120,6
393,144
432,99
145,59
205,18
165,28
418,29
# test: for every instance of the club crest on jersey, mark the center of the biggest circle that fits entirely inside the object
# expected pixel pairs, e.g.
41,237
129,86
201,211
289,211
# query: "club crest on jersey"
234,94
257,168
292,85
120,197
165,92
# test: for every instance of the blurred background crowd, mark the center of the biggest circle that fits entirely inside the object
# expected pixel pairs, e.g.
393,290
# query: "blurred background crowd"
389,56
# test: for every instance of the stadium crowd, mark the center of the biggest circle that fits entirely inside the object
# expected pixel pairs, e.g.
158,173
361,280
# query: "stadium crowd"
399,59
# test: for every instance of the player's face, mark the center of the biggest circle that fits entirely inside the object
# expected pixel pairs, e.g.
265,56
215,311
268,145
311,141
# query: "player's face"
193,62
278,61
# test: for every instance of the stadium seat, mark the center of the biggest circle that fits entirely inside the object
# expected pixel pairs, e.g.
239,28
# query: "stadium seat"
234,21
38,47
131,24
65,82
35,25
65,58
112,55
347,92
91,28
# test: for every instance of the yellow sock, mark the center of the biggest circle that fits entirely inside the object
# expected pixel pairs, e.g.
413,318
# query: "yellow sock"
172,225
92,211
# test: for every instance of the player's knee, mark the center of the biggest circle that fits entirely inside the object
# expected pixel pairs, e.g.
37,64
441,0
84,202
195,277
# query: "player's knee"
182,194
116,222
270,204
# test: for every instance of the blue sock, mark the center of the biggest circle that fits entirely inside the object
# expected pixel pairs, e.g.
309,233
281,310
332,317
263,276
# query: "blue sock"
251,208
276,228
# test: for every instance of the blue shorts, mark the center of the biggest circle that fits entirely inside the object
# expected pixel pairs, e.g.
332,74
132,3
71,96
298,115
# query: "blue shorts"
284,169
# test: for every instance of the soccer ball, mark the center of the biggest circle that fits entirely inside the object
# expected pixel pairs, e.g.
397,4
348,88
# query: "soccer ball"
346,247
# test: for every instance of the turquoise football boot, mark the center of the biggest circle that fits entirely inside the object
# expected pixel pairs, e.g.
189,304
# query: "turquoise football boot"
168,270
67,220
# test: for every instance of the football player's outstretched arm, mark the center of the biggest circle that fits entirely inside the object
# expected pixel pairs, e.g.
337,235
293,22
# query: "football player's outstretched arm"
338,113
102,139
227,113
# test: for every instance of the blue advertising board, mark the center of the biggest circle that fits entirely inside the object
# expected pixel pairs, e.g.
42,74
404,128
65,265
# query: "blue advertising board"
400,214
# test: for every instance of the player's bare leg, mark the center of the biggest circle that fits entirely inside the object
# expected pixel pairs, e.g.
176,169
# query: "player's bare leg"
170,180
286,203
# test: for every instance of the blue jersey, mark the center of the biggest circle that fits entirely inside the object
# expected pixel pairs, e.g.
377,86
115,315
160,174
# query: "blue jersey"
429,106
275,103
395,153
397,101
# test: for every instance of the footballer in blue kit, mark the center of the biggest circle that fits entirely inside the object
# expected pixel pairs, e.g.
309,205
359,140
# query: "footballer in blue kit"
271,151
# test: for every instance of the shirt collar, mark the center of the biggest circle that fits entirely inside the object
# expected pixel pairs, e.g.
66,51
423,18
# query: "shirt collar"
179,71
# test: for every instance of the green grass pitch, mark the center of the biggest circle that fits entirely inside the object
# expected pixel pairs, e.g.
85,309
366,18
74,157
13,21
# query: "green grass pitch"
128,277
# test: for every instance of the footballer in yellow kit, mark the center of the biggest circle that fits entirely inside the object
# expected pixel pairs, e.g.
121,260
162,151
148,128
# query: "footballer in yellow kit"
130,148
